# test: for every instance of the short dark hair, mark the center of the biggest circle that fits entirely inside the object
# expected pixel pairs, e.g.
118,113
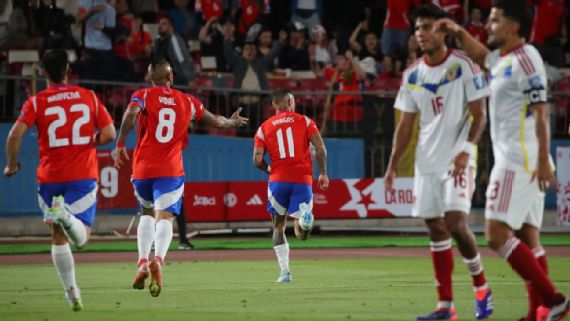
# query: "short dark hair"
514,10
430,11
280,94
55,63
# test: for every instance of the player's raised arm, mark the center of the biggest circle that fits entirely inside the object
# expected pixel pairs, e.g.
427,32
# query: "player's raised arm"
127,124
219,121
321,154
13,143
402,137
476,50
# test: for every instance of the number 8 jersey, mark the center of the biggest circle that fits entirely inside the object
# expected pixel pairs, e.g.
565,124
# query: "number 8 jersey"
67,118
285,136
163,124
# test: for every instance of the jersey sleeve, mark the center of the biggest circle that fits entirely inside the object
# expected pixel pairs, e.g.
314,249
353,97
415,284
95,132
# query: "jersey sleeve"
474,82
197,108
28,112
259,139
139,98
311,127
404,100
531,78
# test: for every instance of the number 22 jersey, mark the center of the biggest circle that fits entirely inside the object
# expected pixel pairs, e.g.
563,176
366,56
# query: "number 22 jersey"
163,124
67,118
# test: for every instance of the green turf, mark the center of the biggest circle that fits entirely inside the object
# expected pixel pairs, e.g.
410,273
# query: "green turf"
317,241
324,289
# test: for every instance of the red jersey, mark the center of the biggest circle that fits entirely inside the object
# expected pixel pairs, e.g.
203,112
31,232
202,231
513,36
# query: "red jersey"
137,44
210,8
285,137
67,118
452,7
548,18
163,121
478,32
397,13
346,107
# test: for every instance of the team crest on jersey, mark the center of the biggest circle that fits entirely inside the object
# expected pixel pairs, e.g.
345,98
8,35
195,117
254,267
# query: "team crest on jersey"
454,72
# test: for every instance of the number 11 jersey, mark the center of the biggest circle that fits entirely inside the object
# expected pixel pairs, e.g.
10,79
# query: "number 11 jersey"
285,137
163,124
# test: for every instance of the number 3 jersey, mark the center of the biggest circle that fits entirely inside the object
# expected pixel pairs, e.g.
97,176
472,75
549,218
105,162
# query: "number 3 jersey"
440,94
67,118
163,124
285,137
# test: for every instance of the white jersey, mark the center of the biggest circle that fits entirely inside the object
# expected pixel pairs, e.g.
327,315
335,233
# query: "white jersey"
440,94
517,80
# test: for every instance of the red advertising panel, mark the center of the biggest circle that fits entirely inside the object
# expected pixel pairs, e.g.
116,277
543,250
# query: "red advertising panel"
115,188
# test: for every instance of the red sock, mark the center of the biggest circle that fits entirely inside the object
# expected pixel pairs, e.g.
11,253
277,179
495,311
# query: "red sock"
442,258
475,268
522,260
534,300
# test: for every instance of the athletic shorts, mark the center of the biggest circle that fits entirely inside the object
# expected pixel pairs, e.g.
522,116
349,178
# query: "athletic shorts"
80,198
512,198
161,193
441,192
288,198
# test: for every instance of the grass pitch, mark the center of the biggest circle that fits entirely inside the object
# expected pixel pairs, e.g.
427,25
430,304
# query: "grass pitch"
324,289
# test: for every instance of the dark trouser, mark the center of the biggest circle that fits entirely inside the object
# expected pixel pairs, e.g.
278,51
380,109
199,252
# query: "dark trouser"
181,221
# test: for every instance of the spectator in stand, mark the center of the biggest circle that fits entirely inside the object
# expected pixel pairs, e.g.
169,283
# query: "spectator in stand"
171,47
99,61
476,27
21,32
307,12
484,5
54,26
211,38
346,114
452,7
250,74
397,25
138,42
369,47
548,33
124,14
185,22
209,9
264,46
413,51
326,48
294,54
250,11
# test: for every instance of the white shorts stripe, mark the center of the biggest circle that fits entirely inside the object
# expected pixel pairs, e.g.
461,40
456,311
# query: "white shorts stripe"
168,199
142,201
84,203
271,199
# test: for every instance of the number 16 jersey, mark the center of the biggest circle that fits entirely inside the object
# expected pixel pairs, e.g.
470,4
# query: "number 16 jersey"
440,94
163,124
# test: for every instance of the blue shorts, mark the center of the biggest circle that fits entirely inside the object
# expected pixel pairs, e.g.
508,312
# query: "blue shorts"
161,193
80,198
286,198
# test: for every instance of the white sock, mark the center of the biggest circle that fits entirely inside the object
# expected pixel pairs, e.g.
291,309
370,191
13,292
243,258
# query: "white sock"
163,238
145,236
282,252
74,230
64,264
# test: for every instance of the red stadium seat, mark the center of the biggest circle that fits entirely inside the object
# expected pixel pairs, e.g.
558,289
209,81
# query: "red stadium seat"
286,83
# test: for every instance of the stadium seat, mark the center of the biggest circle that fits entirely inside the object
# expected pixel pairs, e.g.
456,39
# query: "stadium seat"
22,62
278,83
208,63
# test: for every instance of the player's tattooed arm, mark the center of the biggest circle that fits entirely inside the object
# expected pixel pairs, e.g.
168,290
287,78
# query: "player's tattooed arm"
13,143
219,121
321,154
128,122
259,161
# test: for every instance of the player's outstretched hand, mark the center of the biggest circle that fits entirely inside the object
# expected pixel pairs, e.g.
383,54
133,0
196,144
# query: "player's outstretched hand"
238,120
323,182
447,26
389,179
460,163
9,171
544,176
119,153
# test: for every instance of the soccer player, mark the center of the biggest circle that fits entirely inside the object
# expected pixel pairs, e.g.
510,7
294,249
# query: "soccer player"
164,115
447,90
71,121
523,168
286,137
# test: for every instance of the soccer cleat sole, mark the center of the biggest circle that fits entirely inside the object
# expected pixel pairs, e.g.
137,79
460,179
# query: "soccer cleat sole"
155,286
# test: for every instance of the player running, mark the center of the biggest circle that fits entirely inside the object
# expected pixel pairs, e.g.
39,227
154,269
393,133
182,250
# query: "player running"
164,115
523,168
286,138
71,121
448,92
